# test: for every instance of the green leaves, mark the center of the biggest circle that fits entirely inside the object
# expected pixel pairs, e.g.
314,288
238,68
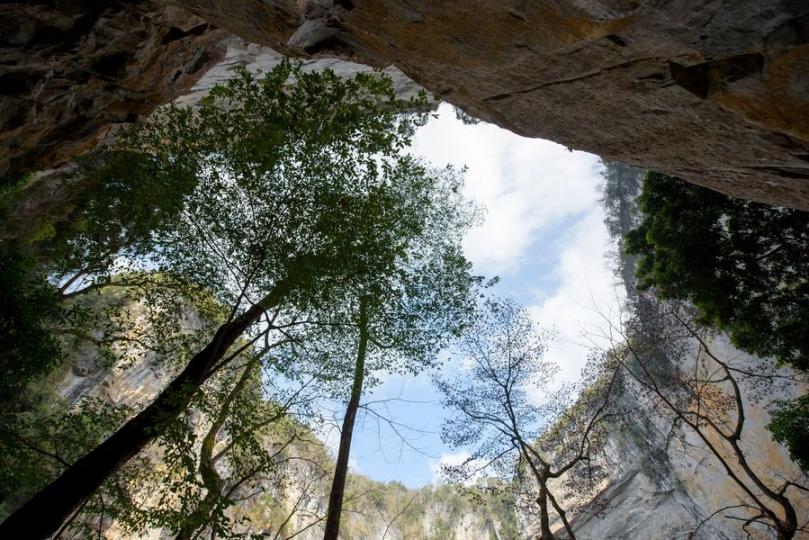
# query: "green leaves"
28,305
743,264
790,427
287,183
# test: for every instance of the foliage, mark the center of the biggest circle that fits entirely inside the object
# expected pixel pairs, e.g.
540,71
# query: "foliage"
619,189
790,427
40,442
42,433
743,264
229,448
524,439
28,305
10,187
122,202
465,117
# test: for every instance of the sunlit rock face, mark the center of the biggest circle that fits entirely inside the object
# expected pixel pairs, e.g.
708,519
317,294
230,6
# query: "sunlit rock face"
658,489
650,493
715,92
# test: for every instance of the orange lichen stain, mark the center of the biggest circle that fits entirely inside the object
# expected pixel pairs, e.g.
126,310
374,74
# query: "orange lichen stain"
475,35
783,93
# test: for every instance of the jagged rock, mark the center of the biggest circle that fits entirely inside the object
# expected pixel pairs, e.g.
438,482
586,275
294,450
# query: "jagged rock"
71,69
716,92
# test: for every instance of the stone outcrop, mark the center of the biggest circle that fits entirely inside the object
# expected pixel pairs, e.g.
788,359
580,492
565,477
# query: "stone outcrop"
71,69
714,91
662,481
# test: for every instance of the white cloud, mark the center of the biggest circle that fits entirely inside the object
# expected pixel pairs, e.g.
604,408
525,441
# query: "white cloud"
528,186
587,286
525,184
451,459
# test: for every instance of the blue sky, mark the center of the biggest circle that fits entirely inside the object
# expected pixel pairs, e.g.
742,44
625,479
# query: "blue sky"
543,234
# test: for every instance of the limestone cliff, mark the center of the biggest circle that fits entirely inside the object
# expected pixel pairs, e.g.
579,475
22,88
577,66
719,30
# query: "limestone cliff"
715,92
663,482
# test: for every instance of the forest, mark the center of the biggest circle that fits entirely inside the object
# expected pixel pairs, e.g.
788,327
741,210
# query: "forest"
225,268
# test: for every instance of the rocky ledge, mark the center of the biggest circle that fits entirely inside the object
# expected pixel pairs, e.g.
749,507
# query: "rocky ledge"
71,69
714,91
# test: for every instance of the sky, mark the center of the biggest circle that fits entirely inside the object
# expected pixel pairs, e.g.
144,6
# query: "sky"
543,234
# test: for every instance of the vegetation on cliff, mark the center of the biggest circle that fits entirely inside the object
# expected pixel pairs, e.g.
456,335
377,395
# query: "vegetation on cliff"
743,264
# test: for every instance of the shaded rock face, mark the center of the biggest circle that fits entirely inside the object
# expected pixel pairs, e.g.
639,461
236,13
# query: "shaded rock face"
71,69
716,92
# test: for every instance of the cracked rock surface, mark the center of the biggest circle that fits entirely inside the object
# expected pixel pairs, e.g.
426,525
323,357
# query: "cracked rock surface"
714,91
69,70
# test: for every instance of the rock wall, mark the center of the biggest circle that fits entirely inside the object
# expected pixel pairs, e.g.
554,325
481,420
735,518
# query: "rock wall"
665,483
71,69
714,91
658,488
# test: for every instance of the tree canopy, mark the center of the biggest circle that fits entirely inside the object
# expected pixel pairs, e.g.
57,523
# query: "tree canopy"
743,264
288,199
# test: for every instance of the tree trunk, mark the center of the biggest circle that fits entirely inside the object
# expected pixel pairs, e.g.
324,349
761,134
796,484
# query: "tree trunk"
568,529
341,469
207,470
544,517
42,515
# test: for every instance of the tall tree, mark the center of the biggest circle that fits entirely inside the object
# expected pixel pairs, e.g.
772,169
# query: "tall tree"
406,317
400,320
299,196
517,434
337,491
